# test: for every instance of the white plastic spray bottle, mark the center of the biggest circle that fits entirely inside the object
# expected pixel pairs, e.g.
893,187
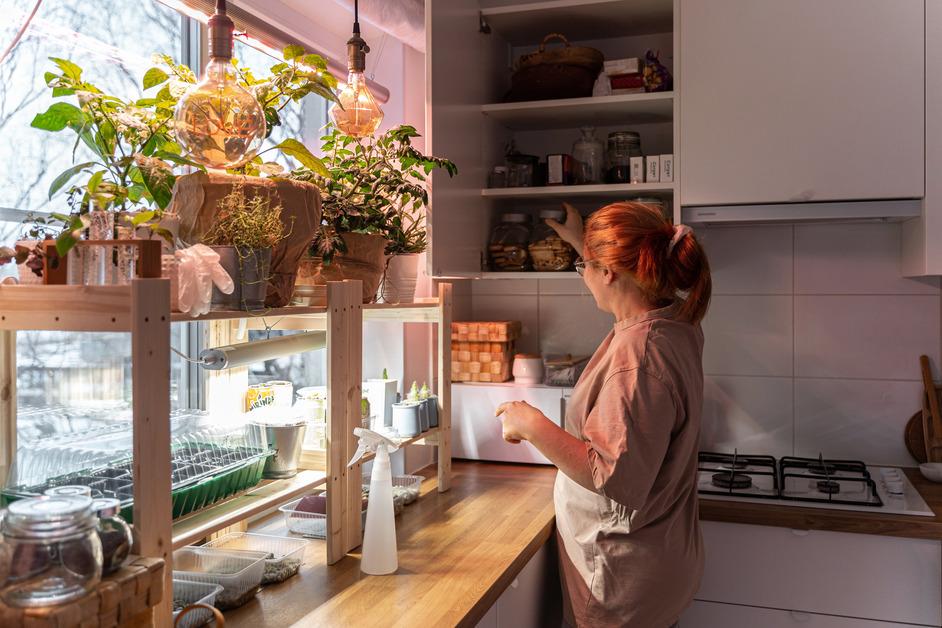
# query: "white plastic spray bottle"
379,538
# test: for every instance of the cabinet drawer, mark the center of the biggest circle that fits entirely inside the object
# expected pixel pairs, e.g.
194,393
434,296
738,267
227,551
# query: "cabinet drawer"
475,431
855,575
716,615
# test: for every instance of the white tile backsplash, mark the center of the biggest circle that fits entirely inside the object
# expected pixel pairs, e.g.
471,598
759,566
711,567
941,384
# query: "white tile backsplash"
857,419
872,337
572,324
853,259
811,343
748,335
751,414
768,249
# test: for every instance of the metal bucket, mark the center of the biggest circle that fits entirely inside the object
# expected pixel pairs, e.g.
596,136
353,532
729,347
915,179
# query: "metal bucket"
250,272
286,440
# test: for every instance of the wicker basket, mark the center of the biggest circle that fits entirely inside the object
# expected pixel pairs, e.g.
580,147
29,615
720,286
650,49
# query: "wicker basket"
483,352
567,72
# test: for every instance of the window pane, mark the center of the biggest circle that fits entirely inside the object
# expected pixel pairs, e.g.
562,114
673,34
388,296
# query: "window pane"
111,41
301,369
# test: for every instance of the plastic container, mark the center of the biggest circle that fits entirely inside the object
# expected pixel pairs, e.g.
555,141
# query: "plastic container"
186,593
238,573
507,248
308,524
285,554
51,553
548,252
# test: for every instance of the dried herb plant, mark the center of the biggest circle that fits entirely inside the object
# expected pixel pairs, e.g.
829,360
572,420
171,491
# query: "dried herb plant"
247,222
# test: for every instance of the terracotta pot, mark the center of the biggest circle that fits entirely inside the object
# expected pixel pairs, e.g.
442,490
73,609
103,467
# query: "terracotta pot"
364,260
399,280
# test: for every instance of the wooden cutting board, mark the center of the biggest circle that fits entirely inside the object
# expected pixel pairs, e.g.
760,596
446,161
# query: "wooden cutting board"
915,439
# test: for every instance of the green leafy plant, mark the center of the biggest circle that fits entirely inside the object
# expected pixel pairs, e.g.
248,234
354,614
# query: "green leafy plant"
133,142
374,185
246,222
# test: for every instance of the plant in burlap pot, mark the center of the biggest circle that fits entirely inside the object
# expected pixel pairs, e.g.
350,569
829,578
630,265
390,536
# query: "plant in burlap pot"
245,230
374,202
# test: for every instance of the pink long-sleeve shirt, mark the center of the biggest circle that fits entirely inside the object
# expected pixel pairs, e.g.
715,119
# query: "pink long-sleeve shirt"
631,551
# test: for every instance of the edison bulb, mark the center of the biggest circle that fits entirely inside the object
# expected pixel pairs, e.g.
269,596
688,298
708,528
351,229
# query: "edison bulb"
219,124
360,115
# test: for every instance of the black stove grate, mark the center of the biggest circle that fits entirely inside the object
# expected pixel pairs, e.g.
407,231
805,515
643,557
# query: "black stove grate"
826,474
733,467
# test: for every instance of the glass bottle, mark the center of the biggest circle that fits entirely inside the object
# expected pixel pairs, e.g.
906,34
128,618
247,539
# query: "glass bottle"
589,153
114,533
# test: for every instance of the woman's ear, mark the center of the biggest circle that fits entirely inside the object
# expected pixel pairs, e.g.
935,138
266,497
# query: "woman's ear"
608,275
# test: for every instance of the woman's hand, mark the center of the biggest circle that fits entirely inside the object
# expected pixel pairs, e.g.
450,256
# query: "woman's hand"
571,231
519,419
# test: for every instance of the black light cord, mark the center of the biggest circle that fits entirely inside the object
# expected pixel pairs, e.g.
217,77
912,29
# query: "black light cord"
356,17
221,6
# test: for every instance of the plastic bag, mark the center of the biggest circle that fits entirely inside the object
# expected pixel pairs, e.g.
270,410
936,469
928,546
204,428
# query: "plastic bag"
198,269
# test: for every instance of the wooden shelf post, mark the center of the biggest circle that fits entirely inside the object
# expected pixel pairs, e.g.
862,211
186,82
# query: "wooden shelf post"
150,386
353,483
444,386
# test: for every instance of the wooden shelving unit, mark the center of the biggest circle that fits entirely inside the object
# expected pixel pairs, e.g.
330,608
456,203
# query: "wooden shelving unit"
143,309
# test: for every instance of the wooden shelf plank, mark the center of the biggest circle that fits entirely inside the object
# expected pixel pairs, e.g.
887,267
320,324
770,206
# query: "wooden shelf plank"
223,315
574,112
66,308
612,191
422,311
202,523
425,438
528,22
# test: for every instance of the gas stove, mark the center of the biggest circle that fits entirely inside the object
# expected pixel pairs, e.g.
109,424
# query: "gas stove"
808,482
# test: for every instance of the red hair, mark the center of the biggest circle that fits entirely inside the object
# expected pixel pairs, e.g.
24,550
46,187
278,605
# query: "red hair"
635,238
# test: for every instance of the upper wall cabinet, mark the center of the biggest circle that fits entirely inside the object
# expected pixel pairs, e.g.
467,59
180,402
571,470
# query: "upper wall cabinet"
801,100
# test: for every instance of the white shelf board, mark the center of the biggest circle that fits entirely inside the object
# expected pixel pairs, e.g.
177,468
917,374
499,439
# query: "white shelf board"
529,275
529,22
613,191
574,112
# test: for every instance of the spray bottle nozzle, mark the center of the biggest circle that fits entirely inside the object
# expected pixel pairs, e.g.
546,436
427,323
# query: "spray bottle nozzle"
370,441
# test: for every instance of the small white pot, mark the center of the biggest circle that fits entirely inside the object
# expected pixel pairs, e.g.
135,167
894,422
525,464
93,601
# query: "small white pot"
399,281
528,369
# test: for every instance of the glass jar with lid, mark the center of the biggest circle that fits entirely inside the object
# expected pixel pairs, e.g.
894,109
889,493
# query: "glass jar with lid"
54,551
589,154
622,146
507,250
114,533
549,252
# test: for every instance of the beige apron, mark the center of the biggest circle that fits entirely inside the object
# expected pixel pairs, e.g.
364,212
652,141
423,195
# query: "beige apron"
631,552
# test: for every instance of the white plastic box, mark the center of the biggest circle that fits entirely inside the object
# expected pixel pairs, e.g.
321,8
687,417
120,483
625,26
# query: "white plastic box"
239,573
194,593
286,553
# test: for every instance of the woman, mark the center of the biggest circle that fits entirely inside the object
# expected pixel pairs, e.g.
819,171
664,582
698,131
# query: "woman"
626,496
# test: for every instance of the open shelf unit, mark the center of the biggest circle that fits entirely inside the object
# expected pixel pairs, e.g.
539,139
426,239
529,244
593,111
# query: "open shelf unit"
470,122
143,309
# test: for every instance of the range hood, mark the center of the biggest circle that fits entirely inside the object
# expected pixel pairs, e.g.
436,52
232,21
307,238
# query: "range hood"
896,210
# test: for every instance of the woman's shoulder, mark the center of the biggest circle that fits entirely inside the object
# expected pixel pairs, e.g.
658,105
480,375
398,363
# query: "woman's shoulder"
658,348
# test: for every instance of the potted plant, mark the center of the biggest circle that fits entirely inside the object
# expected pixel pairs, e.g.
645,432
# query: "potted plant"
373,204
244,232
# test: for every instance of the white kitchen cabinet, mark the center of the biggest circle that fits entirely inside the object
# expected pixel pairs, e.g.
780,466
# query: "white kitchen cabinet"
865,576
801,100
717,615
476,433
528,601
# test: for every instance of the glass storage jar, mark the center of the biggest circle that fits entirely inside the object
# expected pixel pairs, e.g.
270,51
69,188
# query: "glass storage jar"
114,533
54,551
549,252
622,146
589,154
507,250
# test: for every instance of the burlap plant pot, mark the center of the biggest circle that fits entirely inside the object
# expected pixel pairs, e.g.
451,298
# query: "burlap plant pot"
364,260
195,200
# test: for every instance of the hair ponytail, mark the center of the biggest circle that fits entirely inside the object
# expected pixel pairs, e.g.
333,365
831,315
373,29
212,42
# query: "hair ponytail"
635,238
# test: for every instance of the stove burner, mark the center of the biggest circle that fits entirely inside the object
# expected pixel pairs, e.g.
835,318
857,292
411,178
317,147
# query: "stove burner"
730,480
739,465
821,468
829,487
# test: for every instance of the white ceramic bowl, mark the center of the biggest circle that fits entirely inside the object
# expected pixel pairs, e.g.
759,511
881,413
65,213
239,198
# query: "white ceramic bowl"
932,471
528,369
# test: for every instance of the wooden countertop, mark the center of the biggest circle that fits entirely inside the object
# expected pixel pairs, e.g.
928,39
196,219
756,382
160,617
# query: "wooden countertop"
458,551
835,520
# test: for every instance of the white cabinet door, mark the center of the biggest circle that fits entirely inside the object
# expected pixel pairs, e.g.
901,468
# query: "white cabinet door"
461,77
475,431
715,615
854,575
801,100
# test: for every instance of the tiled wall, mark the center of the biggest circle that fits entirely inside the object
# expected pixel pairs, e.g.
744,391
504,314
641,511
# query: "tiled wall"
812,340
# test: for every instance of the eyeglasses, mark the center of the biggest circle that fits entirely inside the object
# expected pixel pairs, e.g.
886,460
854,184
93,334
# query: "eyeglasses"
580,266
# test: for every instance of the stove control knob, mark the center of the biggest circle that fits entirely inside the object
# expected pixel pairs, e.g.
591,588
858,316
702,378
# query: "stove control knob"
894,486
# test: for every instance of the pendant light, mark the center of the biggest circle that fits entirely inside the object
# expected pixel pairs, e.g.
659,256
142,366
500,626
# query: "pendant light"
219,124
356,113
